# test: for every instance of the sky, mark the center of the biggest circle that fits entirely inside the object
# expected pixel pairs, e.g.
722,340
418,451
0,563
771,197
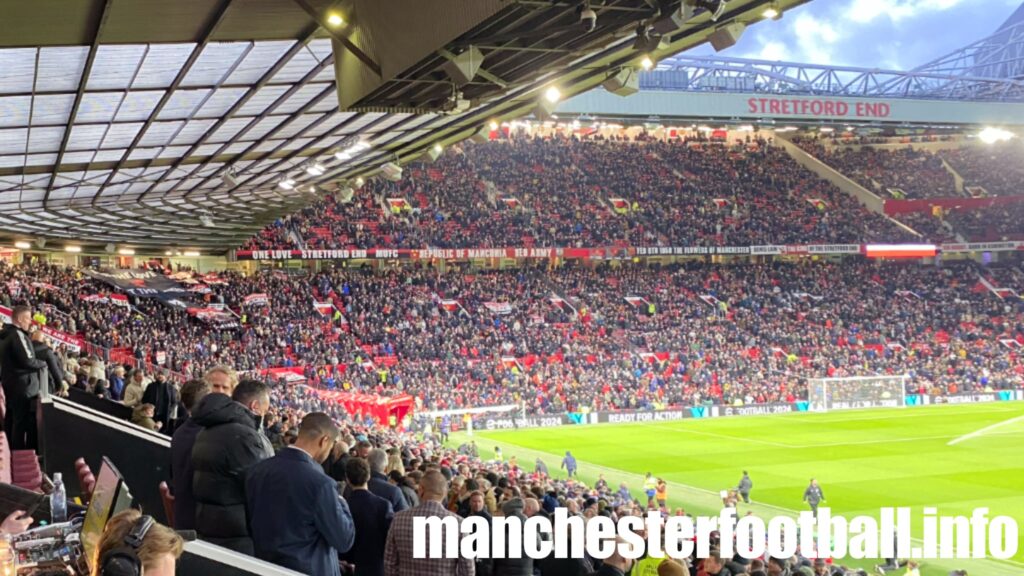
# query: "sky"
888,34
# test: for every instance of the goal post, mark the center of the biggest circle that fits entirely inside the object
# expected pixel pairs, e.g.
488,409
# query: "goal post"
825,394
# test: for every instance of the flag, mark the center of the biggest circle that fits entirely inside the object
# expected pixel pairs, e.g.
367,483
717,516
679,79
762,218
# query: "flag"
258,299
498,307
818,203
619,205
398,205
721,202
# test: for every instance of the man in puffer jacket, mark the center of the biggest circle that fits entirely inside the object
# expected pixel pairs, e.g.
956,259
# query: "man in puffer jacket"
229,444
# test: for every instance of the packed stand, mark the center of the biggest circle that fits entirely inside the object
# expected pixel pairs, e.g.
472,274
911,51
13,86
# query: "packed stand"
567,192
571,338
998,168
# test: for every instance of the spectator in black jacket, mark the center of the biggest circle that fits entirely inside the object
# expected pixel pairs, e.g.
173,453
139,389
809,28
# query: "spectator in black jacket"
372,515
229,444
164,398
192,393
379,485
55,371
19,370
513,566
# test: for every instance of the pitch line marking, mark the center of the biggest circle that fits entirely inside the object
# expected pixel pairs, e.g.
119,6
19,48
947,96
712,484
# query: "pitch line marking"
977,433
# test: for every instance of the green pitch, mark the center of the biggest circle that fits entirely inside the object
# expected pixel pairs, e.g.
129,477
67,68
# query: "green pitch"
863,459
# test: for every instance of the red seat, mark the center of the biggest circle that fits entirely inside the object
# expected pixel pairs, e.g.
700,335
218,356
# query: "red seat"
168,499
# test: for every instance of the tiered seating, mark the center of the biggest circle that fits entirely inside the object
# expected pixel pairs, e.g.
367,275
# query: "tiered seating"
680,192
890,173
573,336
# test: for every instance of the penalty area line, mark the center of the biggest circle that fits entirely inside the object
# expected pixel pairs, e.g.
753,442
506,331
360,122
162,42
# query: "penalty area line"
984,430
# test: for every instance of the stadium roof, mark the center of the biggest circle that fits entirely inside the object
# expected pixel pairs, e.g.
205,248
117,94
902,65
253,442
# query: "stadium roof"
160,124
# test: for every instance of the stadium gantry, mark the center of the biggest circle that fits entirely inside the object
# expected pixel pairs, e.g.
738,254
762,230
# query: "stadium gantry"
989,70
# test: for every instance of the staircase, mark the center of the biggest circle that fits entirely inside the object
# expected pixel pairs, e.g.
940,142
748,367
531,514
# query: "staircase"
869,199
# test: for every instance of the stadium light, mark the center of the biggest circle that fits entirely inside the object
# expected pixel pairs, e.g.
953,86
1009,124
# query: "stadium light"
315,169
126,252
647,63
335,20
992,135
773,11
168,253
22,245
359,182
553,94
493,125
191,253
72,248
287,184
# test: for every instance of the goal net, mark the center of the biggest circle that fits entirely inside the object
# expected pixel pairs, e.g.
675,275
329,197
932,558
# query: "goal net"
824,394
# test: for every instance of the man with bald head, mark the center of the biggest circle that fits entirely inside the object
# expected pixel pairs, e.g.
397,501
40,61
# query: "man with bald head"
398,552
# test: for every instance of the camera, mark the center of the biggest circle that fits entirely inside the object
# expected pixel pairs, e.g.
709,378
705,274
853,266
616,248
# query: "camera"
588,18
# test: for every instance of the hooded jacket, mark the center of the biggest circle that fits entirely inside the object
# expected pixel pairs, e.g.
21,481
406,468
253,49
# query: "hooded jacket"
19,367
228,445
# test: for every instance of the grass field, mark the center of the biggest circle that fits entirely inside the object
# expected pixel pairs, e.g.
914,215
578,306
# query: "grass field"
862,459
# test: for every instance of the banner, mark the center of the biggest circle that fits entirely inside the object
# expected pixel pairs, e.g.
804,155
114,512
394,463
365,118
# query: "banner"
259,299
219,319
514,423
498,307
323,308
141,283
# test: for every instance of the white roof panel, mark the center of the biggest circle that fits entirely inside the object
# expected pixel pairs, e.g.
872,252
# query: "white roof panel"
60,68
98,106
215,61
263,98
139,105
260,59
14,110
182,103
13,140
161,66
19,70
114,66
52,108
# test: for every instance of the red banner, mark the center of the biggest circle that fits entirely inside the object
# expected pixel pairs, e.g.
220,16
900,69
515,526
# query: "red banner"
610,252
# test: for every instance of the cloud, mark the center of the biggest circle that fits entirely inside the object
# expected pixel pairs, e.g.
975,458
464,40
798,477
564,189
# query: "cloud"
894,34
864,11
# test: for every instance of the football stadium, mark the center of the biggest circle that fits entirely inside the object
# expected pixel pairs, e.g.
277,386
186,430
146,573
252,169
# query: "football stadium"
318,286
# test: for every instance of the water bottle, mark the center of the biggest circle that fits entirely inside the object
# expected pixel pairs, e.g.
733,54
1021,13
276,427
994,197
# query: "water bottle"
58,501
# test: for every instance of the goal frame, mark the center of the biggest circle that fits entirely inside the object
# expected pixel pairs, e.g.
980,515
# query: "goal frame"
825,402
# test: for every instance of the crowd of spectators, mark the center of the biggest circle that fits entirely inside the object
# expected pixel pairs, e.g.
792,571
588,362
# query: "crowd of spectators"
899,173
997,168
553,340
567,192
296,458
